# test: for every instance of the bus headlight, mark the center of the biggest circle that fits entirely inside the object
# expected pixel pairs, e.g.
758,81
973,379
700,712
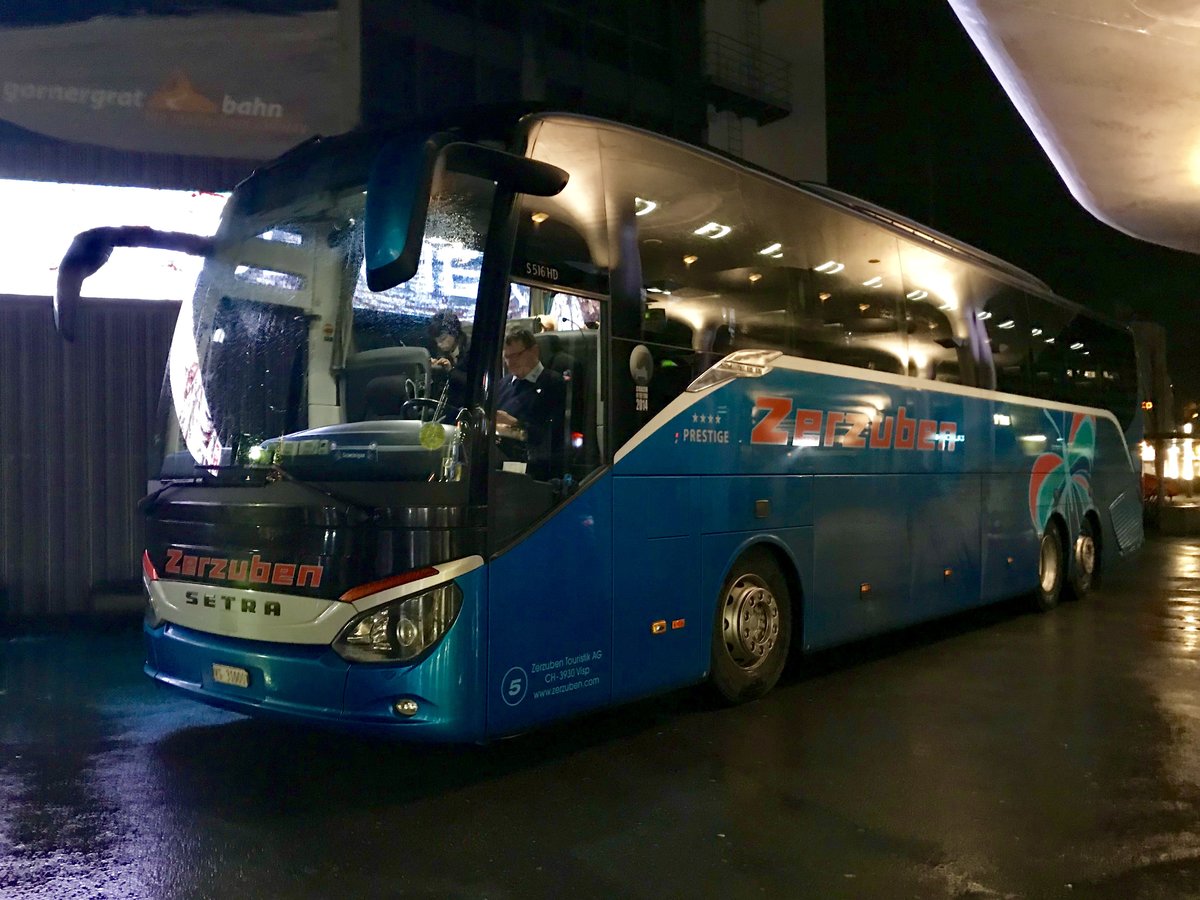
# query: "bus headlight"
403,630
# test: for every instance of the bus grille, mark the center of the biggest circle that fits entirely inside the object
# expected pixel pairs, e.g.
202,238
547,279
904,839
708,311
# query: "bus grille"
1126,513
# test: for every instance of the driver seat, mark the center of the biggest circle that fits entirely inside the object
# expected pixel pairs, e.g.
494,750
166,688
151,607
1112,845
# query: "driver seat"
375,383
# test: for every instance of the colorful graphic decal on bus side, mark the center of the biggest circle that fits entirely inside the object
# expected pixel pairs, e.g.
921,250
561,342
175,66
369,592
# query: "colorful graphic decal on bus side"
827,428
1064,484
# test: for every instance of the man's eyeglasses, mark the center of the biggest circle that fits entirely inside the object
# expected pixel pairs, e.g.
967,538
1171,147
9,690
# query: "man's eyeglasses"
510,356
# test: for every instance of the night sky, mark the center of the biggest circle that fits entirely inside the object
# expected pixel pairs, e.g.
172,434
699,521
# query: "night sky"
918,123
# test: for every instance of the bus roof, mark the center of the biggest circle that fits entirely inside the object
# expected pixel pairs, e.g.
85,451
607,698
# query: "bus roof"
864,209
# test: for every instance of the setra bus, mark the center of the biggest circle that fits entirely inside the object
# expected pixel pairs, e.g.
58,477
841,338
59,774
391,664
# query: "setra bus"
784,419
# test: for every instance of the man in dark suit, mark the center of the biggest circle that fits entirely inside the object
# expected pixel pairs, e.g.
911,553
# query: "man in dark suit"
531,403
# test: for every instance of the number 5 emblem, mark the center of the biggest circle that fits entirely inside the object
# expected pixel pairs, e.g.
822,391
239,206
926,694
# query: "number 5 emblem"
513,686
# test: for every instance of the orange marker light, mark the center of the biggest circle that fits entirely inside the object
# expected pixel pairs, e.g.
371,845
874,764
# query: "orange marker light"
374,587
148,567
659,627
677,624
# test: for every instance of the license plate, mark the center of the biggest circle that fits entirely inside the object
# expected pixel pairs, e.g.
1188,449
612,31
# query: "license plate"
230,675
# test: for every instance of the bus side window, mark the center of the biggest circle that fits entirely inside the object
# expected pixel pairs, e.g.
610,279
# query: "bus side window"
939,343
1002,311
1049,340
1099,366
1117,364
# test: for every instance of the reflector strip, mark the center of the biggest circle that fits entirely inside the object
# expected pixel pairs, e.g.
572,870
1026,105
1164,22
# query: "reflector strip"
374,587
148,567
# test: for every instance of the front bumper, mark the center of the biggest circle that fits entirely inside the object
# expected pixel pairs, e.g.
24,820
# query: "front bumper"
312,684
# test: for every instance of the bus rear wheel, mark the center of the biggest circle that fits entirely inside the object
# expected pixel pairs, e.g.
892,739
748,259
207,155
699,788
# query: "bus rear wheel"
752,629
1085,560
1052,559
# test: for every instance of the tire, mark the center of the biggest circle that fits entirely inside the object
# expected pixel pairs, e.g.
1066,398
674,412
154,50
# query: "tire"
752,629
1085,561
1052,563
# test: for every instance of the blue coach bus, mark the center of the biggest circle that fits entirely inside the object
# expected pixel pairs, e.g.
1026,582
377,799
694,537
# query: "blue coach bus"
786,419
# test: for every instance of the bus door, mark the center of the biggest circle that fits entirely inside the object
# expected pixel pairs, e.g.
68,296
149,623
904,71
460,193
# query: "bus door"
550,516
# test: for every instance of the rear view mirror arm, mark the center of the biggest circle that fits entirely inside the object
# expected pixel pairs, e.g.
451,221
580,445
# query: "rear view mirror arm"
91,249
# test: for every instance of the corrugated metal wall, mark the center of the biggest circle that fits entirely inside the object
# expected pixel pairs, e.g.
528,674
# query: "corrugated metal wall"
75,425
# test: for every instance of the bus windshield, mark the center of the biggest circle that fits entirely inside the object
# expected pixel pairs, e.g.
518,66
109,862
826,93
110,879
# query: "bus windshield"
285,357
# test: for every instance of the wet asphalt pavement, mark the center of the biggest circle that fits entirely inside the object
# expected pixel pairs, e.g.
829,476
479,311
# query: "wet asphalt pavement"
1000,754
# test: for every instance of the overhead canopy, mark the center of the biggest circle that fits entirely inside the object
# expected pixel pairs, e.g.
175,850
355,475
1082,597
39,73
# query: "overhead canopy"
1111,90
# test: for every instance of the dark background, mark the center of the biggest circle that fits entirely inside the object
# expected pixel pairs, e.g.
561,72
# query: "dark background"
918,123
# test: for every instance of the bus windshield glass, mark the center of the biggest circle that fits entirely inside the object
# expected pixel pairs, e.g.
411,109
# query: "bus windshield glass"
285,357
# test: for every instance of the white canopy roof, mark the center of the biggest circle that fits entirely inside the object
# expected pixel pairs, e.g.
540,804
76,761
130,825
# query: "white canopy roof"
1111,90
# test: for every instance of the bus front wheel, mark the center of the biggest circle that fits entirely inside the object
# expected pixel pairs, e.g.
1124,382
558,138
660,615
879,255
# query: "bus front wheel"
752,630
1052,560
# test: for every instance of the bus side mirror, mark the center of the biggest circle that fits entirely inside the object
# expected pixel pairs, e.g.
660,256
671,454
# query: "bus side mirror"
519,174
87,253
398,190
91,249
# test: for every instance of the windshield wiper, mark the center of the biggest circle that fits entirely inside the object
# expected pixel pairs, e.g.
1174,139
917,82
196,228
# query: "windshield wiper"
147,503
371,512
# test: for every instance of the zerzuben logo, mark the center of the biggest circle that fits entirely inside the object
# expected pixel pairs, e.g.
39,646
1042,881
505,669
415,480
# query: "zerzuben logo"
822,428
242,571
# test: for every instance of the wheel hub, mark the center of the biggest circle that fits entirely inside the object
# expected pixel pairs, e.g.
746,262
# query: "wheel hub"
1085,554
1048,566
750,621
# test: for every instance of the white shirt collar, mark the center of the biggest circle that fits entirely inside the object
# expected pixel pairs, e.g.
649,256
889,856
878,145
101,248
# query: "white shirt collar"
535,373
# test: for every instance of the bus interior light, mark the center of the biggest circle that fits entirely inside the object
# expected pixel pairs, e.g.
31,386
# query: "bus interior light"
770,250
830,267
714,231
1006,324
643,207
539,217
